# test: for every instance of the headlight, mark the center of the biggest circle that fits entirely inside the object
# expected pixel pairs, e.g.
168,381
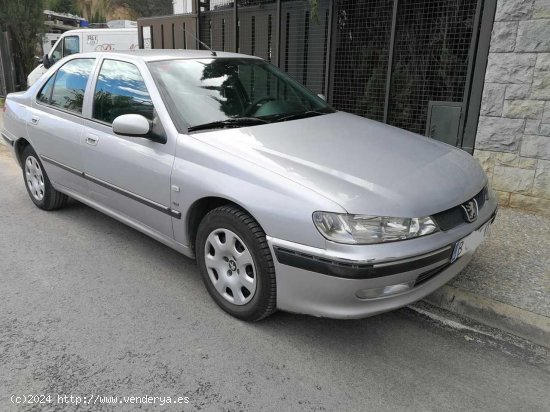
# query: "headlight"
364,229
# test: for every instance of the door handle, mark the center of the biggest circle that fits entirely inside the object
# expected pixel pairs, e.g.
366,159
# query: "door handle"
92,139
35,120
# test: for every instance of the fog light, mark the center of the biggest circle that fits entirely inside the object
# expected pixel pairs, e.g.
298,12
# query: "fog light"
384,290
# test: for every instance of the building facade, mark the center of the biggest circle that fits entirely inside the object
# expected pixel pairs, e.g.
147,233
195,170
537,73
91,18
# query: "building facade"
513,135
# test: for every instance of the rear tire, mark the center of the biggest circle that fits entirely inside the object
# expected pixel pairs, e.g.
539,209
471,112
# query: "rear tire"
236,264
38,184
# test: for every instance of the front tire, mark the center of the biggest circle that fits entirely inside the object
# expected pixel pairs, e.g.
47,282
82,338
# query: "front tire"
236,263
38,184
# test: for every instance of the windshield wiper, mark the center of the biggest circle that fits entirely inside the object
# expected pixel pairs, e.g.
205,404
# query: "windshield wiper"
302,115
229,123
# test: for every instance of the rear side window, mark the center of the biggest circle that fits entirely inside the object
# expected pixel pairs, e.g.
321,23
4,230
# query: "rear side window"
66,89
120,89
46,92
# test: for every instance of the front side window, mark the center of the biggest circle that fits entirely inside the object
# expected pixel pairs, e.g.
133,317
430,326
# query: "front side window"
71,45
204,91
57,53
66,89
119,90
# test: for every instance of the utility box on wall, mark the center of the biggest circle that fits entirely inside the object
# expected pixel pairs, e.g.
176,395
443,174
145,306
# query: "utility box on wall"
443,122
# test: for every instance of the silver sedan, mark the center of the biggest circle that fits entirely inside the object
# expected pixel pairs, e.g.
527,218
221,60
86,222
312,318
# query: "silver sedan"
285,202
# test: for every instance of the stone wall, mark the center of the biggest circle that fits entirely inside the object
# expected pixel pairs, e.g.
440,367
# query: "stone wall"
513,135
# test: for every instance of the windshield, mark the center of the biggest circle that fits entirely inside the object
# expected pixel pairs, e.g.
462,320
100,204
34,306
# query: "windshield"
210,91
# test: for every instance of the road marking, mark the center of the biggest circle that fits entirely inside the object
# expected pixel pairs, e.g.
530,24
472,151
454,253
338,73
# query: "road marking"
448,322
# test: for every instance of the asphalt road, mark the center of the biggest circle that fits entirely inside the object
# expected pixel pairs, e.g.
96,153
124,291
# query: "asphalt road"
91,307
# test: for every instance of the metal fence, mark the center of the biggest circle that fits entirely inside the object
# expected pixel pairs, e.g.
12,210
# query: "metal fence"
409,63
362,49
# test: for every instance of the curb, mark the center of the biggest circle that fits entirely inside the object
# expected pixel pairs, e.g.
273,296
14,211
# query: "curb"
519,322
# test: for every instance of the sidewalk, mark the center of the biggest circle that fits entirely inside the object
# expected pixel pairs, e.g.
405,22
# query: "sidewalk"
507,284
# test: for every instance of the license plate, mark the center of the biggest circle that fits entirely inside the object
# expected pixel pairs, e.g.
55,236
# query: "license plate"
470,242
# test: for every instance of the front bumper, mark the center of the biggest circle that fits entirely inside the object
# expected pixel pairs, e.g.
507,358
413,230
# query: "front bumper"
327,282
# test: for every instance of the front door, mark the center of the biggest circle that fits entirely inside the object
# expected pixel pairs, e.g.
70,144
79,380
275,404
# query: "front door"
129,175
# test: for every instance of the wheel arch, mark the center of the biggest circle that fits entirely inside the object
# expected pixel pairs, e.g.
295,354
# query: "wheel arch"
19,146
200,208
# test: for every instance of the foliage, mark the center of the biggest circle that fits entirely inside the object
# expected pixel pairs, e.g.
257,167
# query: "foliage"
24,20
98,11
97,17
146,8
314,5
61,6
94,11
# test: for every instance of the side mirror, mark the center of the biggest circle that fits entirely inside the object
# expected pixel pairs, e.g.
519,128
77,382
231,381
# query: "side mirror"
134,125
322,96
46,61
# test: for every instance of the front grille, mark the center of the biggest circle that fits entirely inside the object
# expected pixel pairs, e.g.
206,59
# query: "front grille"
451,218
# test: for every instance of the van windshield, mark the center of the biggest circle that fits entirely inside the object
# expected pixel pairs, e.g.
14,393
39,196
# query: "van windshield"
222,91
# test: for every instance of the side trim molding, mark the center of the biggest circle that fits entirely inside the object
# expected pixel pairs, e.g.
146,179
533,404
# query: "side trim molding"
62,166
8,140
143,200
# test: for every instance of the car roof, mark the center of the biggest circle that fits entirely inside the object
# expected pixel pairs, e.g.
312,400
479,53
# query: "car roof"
102,30
149,55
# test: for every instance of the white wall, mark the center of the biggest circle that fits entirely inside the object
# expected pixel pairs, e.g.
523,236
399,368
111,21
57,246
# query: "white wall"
182,6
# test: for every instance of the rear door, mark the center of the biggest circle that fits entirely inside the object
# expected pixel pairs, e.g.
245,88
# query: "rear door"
56,123
128,175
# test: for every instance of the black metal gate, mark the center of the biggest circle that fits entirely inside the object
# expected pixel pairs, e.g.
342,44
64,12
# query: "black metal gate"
409,63
289,34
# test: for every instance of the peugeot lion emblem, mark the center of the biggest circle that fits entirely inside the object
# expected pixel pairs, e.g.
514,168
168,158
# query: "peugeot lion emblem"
470,209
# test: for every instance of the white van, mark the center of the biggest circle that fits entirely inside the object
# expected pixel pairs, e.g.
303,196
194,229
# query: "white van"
87,40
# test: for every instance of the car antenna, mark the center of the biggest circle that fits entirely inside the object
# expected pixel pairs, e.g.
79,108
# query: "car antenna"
201,42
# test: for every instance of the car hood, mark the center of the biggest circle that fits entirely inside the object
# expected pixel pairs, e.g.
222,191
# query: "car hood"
365,166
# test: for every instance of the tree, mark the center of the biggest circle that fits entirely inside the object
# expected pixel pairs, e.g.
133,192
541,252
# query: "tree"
24,20
97,17
148,8
61,6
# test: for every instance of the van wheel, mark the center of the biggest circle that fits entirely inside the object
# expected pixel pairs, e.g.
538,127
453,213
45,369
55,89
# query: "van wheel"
38,184
236,263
